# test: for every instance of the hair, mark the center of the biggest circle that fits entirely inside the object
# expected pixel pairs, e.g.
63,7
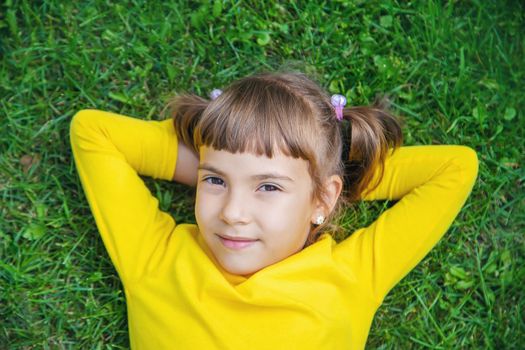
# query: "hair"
290,113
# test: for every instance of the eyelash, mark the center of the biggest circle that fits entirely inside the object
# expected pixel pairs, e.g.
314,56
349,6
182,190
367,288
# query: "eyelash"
206,179
210,180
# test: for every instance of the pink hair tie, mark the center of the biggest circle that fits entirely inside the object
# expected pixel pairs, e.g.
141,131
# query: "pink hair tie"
339,102
215,93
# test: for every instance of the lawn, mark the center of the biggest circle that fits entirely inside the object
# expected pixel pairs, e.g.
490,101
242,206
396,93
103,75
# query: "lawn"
453,70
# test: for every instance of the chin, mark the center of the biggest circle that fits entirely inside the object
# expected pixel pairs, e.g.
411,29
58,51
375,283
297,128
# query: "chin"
241,271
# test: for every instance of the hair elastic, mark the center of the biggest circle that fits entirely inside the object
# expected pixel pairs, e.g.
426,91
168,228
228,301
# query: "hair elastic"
338,102
215,93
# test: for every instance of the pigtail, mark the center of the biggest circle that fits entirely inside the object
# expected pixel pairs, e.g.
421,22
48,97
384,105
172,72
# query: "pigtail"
186,111
371,134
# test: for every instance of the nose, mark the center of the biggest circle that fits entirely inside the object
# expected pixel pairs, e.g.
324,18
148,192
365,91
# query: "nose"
235,209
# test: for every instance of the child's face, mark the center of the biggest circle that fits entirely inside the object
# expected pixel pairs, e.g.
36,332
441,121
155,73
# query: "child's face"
264,201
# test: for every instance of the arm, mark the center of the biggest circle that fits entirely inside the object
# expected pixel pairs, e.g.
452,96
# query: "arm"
187,164
432,184
110,152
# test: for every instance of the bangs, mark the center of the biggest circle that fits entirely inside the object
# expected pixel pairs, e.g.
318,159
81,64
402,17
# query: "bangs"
258,115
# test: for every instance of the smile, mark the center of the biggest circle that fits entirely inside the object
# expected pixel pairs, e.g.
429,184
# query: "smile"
237,243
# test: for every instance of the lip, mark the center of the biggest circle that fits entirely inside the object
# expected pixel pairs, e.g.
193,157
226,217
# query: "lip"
236,242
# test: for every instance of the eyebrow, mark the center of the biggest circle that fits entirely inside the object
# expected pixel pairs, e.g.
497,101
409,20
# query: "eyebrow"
258,177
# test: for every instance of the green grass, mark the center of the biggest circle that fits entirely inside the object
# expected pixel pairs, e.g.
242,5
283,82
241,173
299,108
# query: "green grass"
454,70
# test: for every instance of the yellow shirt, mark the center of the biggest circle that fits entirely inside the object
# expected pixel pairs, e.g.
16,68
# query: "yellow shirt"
323,297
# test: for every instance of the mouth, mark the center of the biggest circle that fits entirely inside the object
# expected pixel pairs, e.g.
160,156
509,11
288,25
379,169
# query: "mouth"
236,242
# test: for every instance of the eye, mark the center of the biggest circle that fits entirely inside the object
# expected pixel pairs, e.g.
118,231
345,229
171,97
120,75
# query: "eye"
269,188
212,180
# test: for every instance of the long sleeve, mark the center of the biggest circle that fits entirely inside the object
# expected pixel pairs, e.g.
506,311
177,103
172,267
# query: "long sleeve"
431,184
110,152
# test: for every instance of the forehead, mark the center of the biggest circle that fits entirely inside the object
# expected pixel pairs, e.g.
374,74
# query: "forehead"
250,164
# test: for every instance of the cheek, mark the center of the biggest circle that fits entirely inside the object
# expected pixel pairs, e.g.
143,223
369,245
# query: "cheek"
290,215
205,207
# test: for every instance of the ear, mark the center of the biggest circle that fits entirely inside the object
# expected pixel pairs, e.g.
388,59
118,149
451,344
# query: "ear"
332,188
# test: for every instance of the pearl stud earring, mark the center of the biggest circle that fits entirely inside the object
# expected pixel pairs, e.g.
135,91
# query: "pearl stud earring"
319,220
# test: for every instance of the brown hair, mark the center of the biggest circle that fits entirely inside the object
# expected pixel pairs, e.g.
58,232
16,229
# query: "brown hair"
291,113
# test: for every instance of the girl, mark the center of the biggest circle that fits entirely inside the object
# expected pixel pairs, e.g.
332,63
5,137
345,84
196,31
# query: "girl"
260,270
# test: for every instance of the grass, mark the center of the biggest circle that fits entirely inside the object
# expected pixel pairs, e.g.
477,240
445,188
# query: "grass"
454,71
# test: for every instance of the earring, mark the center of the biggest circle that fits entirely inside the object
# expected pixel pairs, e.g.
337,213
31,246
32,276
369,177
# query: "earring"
319,220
